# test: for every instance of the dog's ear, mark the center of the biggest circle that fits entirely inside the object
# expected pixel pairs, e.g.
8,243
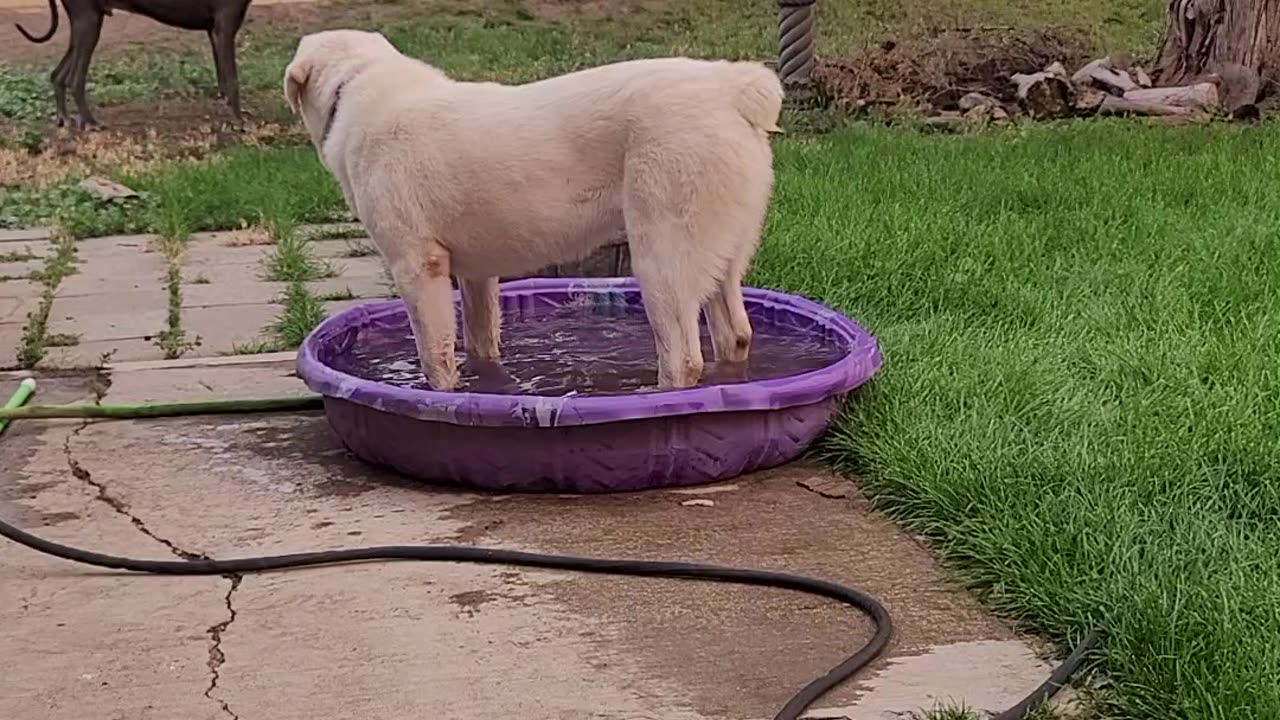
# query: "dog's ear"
296,77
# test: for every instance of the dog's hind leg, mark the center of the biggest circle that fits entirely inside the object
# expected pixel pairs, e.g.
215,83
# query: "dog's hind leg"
481,318
727,318
85,31
59,77
673,289
422,277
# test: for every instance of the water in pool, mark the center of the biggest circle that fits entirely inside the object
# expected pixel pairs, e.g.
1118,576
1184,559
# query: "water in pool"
580,350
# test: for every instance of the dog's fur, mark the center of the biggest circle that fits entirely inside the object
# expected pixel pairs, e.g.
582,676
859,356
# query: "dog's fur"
220,19
482,180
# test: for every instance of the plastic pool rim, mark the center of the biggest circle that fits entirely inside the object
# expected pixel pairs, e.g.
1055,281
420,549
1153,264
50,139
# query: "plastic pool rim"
586,443
858,365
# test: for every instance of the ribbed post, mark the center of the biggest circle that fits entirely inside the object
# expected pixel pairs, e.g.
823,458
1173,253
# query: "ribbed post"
796,40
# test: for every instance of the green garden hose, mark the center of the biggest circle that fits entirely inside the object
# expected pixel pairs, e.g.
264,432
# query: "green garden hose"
793,709
18,399
13,410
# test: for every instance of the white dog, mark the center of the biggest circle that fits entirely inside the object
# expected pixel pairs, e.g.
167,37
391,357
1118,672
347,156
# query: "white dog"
481,180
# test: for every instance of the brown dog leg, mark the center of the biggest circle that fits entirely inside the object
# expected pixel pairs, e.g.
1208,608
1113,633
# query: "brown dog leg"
85,31
223,36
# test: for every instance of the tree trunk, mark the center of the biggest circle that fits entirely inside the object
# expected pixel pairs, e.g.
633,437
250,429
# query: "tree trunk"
1239,40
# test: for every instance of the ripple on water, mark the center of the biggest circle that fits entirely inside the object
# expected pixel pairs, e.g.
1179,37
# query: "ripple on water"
575,349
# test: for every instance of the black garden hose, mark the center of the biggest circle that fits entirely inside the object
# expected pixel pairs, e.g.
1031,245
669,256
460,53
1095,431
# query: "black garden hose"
793,709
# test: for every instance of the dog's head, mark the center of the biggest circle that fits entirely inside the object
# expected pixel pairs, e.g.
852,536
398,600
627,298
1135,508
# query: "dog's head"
322,64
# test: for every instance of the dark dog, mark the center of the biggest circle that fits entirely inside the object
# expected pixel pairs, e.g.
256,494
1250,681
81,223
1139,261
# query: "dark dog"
221,19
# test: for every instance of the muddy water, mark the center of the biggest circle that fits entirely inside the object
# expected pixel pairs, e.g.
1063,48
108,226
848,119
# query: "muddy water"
580,350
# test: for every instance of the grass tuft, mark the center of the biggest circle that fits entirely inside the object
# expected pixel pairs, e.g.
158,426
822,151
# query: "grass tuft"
173,339
303,311
291,259
60,263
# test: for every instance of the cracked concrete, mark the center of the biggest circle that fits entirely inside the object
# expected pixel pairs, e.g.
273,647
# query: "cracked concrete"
448,641
215,631
216,656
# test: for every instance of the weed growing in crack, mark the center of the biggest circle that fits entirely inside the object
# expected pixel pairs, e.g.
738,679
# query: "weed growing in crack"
337,295
291,259
256,347
173,339
22,255
336,232
59,264
303,311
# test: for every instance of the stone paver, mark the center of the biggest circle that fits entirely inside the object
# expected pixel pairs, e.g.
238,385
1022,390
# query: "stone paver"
110,316
400,641
24,235
91,250
359,287
112,265
339,250
10,271
222,328
92,353
17,298
361,267
208,249
38,248
235,291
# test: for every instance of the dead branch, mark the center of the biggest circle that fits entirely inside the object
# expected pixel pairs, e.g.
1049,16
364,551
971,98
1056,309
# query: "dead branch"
1113,105
1202,96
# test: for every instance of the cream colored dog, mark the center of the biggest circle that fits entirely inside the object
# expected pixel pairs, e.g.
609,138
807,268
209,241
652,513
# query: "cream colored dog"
482,180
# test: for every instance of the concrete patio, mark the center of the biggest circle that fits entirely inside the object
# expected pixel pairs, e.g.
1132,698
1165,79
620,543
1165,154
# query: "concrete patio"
439,641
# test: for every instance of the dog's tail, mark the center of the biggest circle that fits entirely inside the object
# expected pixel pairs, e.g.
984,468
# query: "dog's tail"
53,25
759,98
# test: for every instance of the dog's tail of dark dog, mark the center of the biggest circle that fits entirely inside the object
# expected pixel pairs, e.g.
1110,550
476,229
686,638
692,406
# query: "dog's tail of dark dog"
53,25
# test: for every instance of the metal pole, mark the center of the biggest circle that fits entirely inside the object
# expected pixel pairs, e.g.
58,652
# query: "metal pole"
796,36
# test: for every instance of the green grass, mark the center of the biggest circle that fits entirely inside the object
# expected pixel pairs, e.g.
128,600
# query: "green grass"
1082,373
303,311
291,260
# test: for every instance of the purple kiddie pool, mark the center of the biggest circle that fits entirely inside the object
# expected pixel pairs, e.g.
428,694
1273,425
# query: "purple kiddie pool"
571,408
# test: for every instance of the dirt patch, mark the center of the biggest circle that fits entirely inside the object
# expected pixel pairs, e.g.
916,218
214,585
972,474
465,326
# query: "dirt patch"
120,30
591,9
138,136
935,69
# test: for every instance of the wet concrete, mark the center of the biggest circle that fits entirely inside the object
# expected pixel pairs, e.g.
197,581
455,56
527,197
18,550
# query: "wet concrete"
443,641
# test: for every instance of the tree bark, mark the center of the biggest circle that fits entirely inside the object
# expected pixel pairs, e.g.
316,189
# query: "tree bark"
1208,36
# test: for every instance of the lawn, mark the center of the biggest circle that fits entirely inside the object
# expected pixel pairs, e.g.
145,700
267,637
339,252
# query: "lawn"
1079,403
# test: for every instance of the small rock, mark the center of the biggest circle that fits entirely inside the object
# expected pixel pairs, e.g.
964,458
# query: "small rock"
1141,77
980,115
698,502
976,99
1089,100
945,121
1057,70
106,189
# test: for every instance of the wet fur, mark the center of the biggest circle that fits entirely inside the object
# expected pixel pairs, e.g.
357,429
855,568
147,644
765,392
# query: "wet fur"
482,180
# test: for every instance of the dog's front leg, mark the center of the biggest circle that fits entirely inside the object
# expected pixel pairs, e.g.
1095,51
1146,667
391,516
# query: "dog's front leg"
481,318
85,32
423,280
223,38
